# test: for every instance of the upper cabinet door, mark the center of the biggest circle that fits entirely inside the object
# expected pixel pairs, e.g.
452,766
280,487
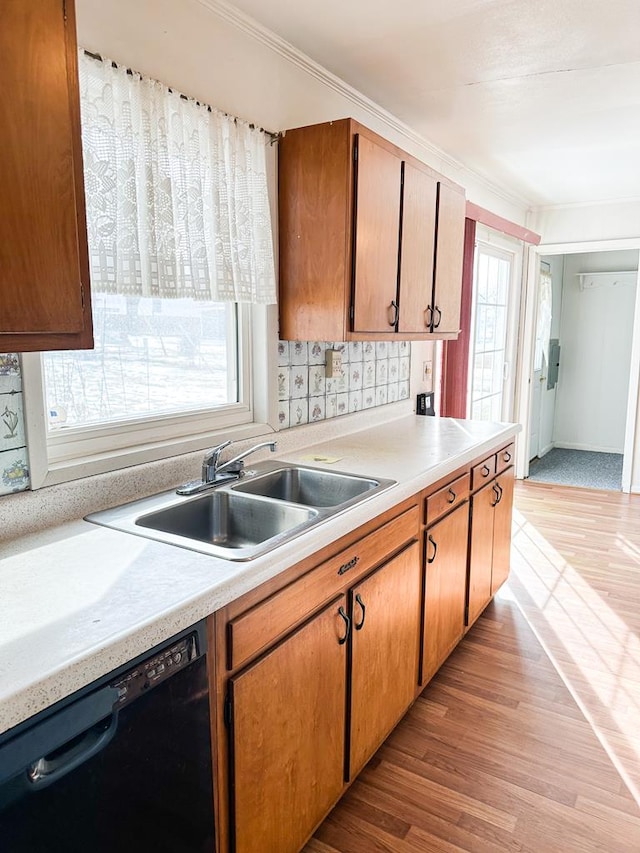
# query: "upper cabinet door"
44,279
416,260
449,254
376,238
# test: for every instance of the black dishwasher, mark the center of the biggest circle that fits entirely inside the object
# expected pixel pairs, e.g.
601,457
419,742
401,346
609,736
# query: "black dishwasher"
122,765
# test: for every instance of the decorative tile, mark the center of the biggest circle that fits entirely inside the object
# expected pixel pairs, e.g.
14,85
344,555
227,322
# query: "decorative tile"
393,389
299,352
10,383
355,351
393,349
316,352
369,398
14,471
9,364
369,375
283,414
404,390
11,422
331,406
394,370
317,380
382,371
355,401
316,409
381,395
368,351
339,384
382,350
299,382
283,353
283,383
298,412
342,403
356,370
405,368
404,348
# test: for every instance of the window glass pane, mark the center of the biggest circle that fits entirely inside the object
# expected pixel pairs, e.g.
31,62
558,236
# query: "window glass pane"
152,357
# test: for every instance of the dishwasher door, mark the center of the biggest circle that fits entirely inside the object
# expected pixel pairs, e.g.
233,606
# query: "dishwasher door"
123,765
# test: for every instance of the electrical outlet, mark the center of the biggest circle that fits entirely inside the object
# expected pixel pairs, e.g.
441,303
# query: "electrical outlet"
427,369
333,364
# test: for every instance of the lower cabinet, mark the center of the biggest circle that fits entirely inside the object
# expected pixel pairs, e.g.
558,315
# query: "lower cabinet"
288,736
384,653
490,542
445,588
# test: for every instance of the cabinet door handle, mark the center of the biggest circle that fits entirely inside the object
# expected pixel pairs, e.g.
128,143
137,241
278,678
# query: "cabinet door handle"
436,323
496,492
358,625
428,316
485,471
347,624
431,541
394,306
507,456
452,496
499,487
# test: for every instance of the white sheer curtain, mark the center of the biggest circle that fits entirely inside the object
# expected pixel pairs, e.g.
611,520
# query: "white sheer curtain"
177,202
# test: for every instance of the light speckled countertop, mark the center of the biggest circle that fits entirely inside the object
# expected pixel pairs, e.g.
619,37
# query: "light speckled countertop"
78,600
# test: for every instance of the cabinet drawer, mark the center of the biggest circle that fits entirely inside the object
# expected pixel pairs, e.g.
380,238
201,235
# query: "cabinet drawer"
446,498
505,457
266,622
483,472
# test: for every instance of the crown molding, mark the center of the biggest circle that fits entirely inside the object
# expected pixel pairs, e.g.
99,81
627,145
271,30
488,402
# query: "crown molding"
292,54
576,205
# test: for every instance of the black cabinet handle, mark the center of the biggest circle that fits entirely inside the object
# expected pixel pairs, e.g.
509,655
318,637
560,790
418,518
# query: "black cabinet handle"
499,488
436,323
394,305
507,456
452,496
428,316
358,625
485,471
496,492
349,565
431,541
347,623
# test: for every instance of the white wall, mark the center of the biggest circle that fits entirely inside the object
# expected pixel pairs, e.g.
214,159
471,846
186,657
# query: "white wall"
596,331
590,222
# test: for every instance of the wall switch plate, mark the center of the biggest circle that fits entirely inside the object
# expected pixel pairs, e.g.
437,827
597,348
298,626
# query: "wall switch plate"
333,364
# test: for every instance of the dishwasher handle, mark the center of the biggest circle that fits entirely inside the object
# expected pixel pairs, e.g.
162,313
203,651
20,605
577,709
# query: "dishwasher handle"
52,767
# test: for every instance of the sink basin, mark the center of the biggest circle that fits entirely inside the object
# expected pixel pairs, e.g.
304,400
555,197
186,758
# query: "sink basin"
308,486
269,506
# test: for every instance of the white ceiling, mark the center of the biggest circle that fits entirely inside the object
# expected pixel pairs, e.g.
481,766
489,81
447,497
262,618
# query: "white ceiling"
540,96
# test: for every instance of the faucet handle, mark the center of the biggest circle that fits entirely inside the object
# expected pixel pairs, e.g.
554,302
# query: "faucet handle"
213,455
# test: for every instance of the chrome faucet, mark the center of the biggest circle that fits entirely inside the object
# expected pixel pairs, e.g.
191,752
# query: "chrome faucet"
214,473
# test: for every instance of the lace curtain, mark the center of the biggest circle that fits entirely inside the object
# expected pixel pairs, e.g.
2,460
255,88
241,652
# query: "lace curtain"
176,193
543,321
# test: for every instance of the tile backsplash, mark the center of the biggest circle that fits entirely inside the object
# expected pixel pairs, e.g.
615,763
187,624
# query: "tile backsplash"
14,468
373,374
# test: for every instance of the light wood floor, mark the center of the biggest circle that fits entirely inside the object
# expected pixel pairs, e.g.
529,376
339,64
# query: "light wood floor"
516,745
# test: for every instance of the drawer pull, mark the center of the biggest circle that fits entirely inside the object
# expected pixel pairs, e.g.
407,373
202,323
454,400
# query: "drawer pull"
431,541
507,456
346,566
358,625
347,623
452,496
485,471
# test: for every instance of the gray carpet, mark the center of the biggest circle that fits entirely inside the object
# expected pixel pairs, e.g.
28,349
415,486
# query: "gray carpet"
578,468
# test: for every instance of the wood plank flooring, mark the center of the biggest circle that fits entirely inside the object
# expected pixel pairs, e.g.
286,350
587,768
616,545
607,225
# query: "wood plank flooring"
497,754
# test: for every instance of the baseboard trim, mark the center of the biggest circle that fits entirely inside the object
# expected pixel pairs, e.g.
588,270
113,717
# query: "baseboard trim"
565,445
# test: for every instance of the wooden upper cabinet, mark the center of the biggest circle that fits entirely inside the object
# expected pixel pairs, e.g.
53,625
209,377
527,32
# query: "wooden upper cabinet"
44,274
357,227
376,237
418,243
447,285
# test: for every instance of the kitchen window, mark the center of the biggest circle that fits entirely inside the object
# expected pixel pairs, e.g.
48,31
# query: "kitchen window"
182,280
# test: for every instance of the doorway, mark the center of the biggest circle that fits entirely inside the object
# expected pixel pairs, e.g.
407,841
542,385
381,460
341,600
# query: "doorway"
582,422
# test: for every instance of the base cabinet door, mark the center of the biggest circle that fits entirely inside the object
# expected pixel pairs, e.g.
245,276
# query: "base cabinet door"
445,588
288,736
480,551
502,530
385,647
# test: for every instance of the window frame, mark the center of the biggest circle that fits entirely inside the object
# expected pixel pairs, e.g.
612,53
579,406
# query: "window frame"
84,451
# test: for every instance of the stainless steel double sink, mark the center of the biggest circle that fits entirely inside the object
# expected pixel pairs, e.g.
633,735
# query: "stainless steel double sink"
271,504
